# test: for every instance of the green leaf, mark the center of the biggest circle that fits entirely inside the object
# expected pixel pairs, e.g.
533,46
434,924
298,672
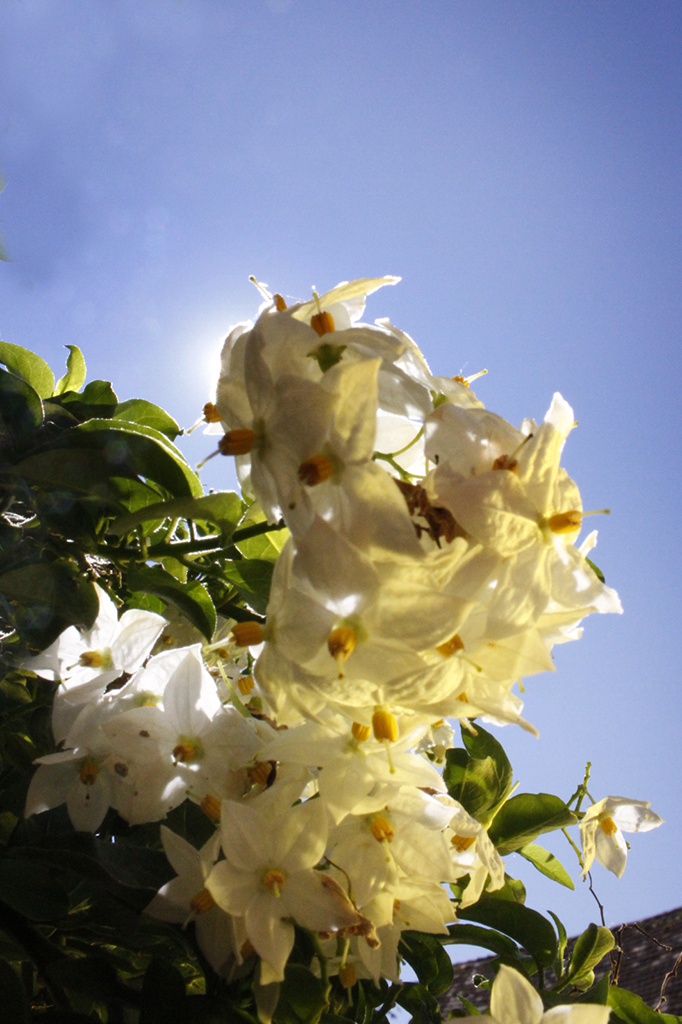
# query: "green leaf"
513,890
427,958
252,578
135,450
191,598
472,1010
589,950
12,997
530,929
633,1010
97,400
486,938
163,995
480,776
547,864
21,410
526,816
32,890
563,937
137,410
418,1001
29,366
57,586
222,508
303,992
74,378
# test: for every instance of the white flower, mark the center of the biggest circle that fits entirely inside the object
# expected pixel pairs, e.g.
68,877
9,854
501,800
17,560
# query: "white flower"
513,1000
267,878
601,830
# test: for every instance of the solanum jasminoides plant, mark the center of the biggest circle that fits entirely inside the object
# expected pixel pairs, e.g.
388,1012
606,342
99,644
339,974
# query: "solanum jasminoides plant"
231,789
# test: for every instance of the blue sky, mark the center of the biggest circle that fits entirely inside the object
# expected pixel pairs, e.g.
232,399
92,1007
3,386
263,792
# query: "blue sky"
518,164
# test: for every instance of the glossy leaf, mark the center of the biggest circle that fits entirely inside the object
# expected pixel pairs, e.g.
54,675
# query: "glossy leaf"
21,410
252,578
74,378
487,938
191,598
303,992
589,950
57,586
427,958
530,929
137,410
222,508
32,890
547,864
479,776
29,366
526,816
632,1009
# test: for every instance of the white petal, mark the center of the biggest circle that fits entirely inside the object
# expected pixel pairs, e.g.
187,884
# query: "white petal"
514,1000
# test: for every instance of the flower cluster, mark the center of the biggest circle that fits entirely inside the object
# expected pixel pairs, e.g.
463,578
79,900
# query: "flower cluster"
431,564
432,559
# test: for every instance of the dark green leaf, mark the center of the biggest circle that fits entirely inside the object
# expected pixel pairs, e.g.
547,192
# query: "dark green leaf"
144,451
222,508
487,938
163,995
29,366
32,890
526,816
472,1010
589,950
137,410
97,400
302,992
547,864
12,997
418,1001
133,865
74,378
530,929
563,937
252,578
191,598
90,976
54,594
429,961
80,470
480,776
21,410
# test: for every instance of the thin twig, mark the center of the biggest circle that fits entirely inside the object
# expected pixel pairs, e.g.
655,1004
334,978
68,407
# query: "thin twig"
669,976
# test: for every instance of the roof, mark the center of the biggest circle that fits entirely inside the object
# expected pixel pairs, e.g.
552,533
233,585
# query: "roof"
650,950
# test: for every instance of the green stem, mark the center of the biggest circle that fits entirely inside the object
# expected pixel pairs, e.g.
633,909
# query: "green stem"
403,474
578,852
256,530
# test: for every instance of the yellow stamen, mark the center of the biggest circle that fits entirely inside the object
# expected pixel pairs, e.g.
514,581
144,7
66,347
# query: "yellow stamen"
188,750
261,772
237,442
92,659
565,522
280,304
506,462
315,470
462,843
211,414
360,732
88,772
608,826
437,725
201,902
322,323
210,805
384,725
245,684
348,975
382,830
273,881
248,634
451,646
341,644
